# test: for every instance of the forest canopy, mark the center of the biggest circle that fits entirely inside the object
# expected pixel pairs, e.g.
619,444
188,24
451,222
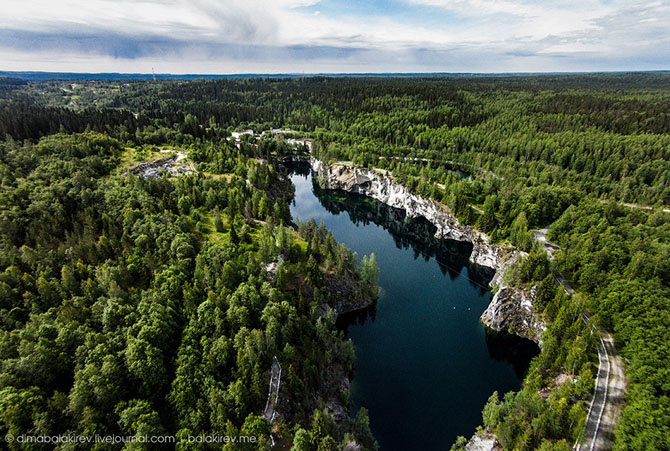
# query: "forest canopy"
131,304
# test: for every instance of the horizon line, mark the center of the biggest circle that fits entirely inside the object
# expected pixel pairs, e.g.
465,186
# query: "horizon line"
51,75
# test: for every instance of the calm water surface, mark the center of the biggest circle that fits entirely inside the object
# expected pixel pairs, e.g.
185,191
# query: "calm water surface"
425,365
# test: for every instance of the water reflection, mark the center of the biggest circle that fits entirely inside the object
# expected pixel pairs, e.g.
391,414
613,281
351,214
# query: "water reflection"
356,318
415,233
505,347
424,364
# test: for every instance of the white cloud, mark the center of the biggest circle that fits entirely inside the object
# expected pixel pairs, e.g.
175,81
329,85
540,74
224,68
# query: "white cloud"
525,18
475,7
565,27
233,20
210,35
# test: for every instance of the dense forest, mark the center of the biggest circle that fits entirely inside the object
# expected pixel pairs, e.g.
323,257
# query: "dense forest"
155,305
132,304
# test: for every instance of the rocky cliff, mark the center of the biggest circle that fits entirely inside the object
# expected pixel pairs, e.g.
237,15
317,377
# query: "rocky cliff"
384,188
511,308
483,441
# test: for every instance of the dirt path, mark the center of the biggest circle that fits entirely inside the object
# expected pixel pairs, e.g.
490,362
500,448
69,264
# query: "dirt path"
639,207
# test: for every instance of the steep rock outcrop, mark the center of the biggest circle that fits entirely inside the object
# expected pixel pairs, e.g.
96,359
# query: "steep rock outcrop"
511,310
384,188
490,255
349,305
483,441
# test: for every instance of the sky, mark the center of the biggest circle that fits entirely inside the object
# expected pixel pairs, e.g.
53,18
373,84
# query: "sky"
334,36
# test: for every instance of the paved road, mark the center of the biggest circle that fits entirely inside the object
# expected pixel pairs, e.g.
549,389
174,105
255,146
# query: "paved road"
610,387
273,392
607,399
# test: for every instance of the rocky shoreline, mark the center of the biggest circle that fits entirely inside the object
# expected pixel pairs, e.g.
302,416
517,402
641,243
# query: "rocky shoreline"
511,309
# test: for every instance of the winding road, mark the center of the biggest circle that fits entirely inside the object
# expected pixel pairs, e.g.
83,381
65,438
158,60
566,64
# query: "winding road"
610,387
273,392
607,399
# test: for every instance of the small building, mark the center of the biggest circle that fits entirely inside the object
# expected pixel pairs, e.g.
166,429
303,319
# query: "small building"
238,135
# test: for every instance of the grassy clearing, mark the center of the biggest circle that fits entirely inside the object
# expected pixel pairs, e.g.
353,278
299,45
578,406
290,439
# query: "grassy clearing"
143,154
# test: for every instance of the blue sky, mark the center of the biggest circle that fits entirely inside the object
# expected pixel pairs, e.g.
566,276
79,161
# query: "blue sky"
317,36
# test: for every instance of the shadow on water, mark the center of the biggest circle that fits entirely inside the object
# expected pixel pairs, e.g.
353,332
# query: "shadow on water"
417,234
425,365
356,318
505,347
298,168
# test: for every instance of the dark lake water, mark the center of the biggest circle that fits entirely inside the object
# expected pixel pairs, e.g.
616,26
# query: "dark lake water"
425,365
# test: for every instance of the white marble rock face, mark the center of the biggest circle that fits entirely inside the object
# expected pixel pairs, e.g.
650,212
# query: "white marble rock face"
511,309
